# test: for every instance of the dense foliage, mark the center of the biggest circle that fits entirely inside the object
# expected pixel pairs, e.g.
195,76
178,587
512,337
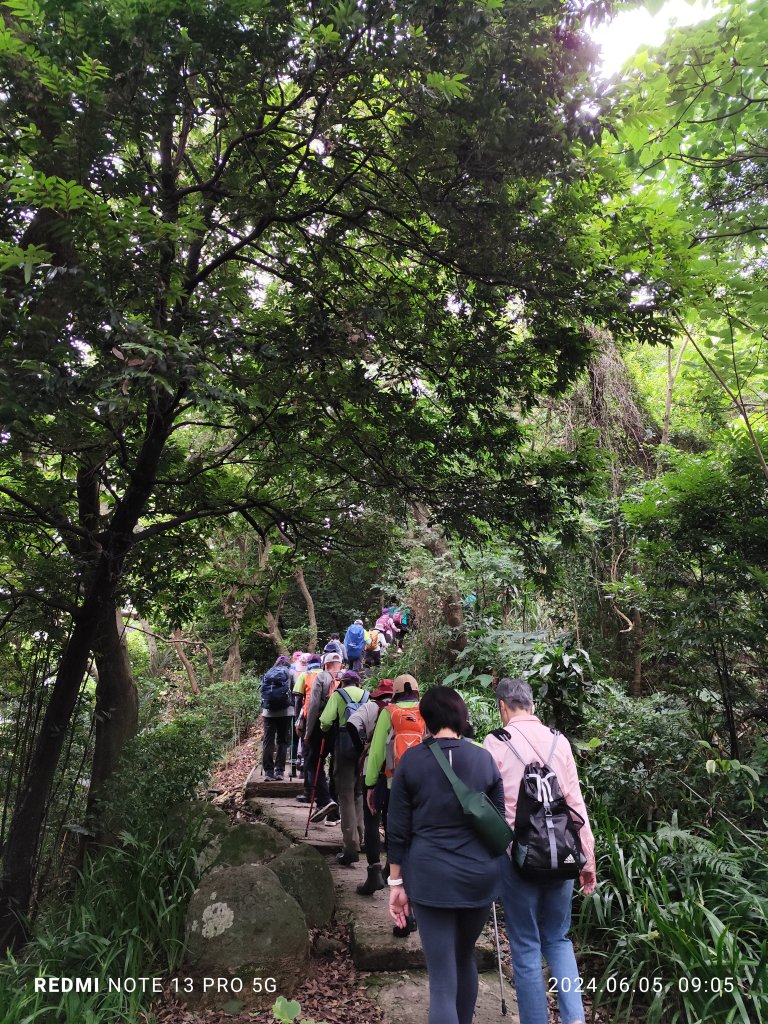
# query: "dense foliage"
307,309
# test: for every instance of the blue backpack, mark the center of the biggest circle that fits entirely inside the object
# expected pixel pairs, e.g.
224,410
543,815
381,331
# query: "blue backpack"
276,689
355,640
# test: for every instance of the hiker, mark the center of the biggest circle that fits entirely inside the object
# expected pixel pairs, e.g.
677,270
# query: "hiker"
334,644
363,722
317,744
304,680
346,699
399,727
386,624
354,642
403,620
375,646
277,712
439,867
538,913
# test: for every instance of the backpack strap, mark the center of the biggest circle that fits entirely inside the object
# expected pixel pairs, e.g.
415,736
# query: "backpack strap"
555,738
341,690
531,745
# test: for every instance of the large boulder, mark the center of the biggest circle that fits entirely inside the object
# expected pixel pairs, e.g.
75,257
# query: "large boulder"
305,875
247,940
248,843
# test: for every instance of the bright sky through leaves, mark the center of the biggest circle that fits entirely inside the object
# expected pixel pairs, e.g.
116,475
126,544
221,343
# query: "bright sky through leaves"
630,30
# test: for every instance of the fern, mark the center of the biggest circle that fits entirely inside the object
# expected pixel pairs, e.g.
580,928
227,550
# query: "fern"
695,854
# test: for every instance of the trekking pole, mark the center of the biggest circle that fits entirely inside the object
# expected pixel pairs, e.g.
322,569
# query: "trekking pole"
498,961
314,784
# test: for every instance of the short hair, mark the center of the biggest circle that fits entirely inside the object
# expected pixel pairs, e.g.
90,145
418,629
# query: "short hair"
441,707
516,694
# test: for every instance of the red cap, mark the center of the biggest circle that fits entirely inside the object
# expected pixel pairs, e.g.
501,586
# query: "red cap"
384,689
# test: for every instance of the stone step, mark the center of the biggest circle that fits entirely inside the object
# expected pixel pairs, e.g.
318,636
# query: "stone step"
404,997
257,785
292,818
373,946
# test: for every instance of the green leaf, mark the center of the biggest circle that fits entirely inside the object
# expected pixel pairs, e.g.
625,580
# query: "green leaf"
285,1010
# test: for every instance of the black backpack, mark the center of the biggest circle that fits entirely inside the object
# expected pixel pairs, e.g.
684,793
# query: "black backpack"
276,688
546,847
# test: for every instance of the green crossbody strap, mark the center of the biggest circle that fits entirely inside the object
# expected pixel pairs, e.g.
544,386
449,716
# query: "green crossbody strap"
461,789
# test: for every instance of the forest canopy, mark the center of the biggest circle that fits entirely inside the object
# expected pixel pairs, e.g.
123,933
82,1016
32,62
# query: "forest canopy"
308,305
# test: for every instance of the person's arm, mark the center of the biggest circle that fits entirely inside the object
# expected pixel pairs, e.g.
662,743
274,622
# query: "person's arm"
399,832
574,799
496,791
330,713
377,755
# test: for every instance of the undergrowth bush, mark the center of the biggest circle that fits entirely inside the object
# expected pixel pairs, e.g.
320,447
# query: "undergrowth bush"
160,770
679,924
125,920
227,710
642,767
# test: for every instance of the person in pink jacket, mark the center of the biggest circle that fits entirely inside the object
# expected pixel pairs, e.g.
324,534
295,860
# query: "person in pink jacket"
538,914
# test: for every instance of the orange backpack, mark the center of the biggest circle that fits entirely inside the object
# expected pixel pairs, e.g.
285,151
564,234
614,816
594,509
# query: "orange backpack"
373,642
310,681
408,730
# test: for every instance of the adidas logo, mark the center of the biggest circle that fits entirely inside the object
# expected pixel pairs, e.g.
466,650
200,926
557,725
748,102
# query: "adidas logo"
569,859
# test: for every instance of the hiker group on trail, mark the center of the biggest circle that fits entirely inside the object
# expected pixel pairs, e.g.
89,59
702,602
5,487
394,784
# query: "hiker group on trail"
463,825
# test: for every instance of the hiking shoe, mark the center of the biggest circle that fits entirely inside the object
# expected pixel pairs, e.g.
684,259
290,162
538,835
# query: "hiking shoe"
303,798
278,777
403,933
334,817
373,882
269,776
347,859
323,812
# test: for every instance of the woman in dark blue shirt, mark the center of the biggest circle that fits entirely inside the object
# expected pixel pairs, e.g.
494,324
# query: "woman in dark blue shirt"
439,868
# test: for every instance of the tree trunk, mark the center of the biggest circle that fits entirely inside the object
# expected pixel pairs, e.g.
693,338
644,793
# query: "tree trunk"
177,639
117,701
450,602
274,633
671,378
22,841
231,673
234,611
154,656
636,688
311,614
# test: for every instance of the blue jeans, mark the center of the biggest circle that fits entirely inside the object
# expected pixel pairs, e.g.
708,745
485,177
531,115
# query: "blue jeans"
538,919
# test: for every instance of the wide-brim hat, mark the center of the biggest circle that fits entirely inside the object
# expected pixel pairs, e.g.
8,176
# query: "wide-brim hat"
399,683
384,689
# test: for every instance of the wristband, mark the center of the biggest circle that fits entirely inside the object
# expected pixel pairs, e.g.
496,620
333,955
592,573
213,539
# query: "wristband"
394,881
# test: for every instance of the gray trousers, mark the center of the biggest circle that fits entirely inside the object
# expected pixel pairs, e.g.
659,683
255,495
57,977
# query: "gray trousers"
349,793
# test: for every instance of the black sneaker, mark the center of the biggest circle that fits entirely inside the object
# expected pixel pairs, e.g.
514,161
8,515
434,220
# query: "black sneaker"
323,812
410,926
269,776
347,859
